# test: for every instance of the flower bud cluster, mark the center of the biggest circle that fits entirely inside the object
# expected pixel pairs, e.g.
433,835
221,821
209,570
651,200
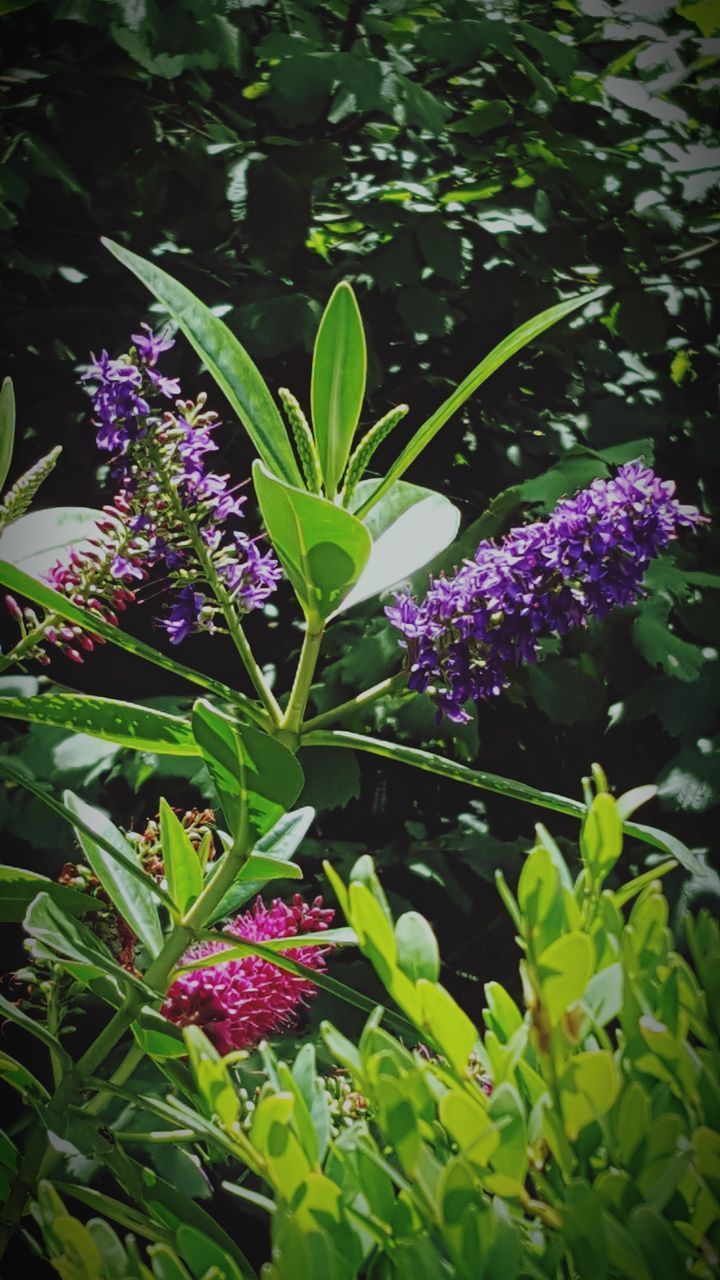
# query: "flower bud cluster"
474,629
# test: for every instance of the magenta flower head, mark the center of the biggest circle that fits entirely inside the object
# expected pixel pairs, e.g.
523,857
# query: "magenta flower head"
241,1002
472,630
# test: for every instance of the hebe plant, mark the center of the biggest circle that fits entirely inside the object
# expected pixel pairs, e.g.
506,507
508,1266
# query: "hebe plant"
442,1152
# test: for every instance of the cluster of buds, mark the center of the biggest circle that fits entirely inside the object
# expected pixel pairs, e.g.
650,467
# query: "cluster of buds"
346,1104
105,922
200,827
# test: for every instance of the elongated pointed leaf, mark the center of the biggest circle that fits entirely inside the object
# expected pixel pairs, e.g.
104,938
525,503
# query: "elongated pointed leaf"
18,887
432,763
225,359
128,892
34,1028
323,548
39,593
22,779
256,777
59,935
514,342
338,383
125,723
38,540
183,872
7,428
409,527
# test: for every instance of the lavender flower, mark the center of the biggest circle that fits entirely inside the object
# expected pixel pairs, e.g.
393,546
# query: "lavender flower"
241,1002
473,629
175,510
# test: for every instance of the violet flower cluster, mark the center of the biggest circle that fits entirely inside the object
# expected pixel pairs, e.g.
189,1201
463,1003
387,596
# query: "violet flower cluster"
241,1002
178,513
475,628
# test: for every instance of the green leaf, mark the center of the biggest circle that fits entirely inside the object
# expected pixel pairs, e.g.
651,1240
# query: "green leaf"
128,892
418,954
468,1123
322,548
18,1077
538,886
564,970
7,428
432,763
125,723
166,1264
257,778
33,1027
225,359
338,383
509,346
409,527
18,887
449,1026
113,1209
76,820
16,580
588,1087
270,861
183,872
36,542
601,838
67,939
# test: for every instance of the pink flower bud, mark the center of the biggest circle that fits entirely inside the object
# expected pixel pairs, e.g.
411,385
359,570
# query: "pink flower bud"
72,654
85,643
13,608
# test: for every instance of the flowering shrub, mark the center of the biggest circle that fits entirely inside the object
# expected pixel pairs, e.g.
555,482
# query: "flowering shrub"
453,1148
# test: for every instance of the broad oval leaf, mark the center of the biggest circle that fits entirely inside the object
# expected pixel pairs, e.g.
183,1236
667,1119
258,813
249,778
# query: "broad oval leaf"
564,970
338,383
226,360
323,549
269,861
127,892
125,723
418,954
409,527
36,542
7,428
256,777
183,871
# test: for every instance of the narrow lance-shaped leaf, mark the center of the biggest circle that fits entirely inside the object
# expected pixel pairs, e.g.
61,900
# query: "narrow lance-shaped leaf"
7,428
257,778
22,779
128,892
225,359
126,723
323,549
514,342
432,763
15,580
338,383
59,935
18,887
183,872
15,1014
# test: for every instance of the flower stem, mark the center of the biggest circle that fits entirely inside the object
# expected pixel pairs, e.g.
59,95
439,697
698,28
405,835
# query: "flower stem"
295,710
24,646
357,703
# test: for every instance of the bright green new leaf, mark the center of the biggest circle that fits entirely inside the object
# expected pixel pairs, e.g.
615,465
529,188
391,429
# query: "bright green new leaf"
564,970
212,1078
588,1088
509,346
225,359
601,838
256,777
470,1126
20,583
505,1109
7,428
418,954
338,383
538,886
409,527
36,542
323,548
183,872
447,1023
125,723
128,893
203,1255
269,861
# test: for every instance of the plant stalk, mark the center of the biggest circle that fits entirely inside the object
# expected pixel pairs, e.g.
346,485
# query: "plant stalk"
300,692
355,704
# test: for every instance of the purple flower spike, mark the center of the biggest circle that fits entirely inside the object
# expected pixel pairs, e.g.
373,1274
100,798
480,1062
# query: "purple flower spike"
183,616
472,630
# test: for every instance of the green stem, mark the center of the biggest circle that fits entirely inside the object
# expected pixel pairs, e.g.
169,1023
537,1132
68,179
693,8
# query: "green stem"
53,1026
36,1156
222,596
300,692
355,704
28,642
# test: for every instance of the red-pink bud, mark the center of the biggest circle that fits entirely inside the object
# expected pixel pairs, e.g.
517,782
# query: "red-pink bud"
13,608
42,657
72,654
85,643
67,633
51,635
